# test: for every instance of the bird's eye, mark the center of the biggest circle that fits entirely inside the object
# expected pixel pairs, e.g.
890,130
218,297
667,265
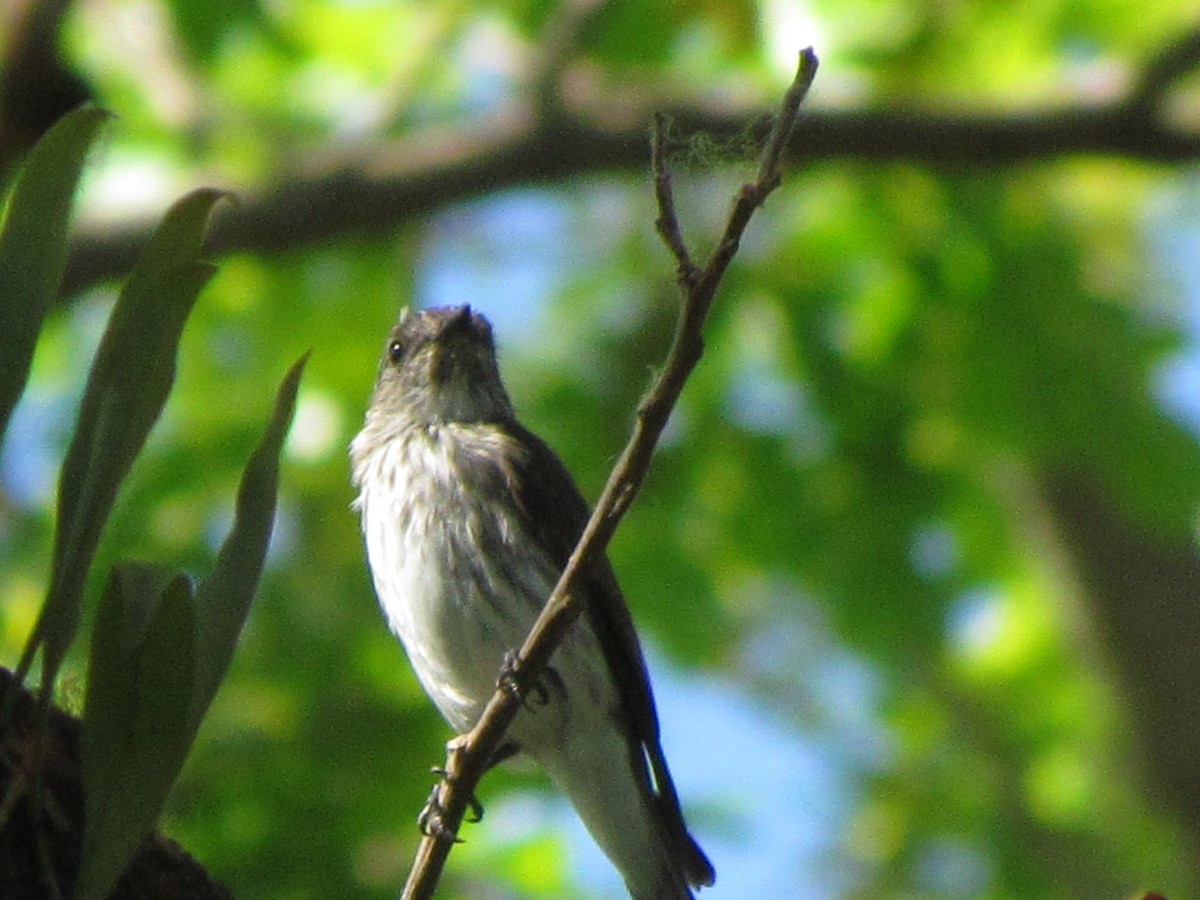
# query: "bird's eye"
395,352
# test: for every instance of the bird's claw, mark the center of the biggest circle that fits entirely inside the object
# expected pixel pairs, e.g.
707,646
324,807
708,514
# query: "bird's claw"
508,680
432,817
474,810
511,678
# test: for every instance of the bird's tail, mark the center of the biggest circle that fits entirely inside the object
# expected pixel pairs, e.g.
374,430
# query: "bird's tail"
656,856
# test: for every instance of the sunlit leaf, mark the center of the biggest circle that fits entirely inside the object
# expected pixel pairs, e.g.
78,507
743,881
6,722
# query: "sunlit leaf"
126,389
33,246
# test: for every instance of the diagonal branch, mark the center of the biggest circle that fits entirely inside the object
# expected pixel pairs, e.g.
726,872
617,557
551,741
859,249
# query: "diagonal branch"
1174,61
470,753
556,50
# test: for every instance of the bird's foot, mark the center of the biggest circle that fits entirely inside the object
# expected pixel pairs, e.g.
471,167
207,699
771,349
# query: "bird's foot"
432,817
512,681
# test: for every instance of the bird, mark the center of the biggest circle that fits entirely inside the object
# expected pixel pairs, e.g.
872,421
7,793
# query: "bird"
468,519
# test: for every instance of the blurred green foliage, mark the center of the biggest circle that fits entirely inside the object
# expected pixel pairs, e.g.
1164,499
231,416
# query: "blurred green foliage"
899,357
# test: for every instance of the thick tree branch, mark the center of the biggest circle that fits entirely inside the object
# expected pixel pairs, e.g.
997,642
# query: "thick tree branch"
1143,592
470,753
556,50
35,846
375,191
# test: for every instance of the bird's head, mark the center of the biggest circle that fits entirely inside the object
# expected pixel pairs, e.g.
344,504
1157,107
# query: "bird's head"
439,365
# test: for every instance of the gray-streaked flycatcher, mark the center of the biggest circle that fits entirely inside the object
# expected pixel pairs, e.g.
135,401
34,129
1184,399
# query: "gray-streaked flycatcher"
469,519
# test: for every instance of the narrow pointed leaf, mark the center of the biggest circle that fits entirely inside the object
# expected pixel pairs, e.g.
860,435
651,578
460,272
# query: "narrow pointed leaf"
180,235
130,599
33,244
223,600
125,393
136,723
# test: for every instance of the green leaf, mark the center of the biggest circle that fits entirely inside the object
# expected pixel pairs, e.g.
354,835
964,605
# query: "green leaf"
33,244
223,600
136,720
126,389
179,236
157,662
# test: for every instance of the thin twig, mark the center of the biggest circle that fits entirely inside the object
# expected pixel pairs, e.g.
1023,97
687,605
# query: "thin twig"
806,71
667,222
467,758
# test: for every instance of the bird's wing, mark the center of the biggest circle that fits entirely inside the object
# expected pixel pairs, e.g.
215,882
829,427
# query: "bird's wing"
557,514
